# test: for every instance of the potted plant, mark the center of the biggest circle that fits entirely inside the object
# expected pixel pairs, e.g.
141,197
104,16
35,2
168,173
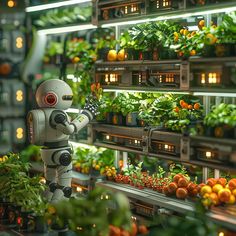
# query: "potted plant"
221,120
226,42
155,112
186,115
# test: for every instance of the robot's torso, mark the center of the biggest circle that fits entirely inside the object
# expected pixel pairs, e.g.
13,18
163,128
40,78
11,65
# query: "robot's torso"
42,132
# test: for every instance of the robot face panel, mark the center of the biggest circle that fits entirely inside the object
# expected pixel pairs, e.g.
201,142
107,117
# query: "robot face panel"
54,93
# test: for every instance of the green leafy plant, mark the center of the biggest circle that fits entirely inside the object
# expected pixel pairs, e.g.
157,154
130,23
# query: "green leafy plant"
64,16
18,188
91,216
156,112
53,49
86,159
30,153
223,114
187,111
83,55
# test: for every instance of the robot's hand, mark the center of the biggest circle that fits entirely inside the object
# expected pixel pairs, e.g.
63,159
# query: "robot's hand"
92,105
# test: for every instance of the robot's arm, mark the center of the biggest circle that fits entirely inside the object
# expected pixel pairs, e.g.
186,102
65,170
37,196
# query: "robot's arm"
87,114
59,121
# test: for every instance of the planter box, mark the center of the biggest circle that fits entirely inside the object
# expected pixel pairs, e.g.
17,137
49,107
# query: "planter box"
118,119
132,119
224,132
109,116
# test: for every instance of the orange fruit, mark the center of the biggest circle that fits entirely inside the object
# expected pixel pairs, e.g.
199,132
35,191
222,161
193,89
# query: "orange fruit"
121,55
182,182
214,198
196,106
201,24
112,55
190,107
232,184
185,105
181,193
193,52
231,199
181,102
222,181
176,109
211,182
234,192
210,39
224,195
75,60
193,33
205,189
172,187
217,187
134,229
185,32
142,229
177,177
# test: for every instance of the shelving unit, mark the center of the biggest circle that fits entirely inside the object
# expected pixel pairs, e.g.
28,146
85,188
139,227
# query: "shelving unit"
135,76
220,216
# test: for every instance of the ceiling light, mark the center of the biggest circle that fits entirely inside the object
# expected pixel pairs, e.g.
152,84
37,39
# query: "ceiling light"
67,29
54,5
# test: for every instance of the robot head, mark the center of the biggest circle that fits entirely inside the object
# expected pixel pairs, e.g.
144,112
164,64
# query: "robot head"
54,93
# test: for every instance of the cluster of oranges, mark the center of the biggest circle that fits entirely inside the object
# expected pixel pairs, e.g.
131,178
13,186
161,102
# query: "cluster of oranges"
109,172
183,34
113,55
181,187
184,105
135,230
218,191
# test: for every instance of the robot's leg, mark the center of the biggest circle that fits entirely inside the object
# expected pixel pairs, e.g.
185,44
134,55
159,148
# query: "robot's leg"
64,174
50,176
49,173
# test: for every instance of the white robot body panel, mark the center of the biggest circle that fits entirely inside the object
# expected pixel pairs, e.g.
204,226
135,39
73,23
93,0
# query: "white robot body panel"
40,130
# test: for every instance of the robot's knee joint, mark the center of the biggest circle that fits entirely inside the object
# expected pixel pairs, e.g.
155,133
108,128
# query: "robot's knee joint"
67,191
52,187
62,158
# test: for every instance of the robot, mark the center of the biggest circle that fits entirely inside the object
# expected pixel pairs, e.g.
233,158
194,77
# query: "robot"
50,127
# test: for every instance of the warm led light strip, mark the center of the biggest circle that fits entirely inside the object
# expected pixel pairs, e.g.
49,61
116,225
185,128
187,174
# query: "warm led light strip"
67,29
54,5
176,16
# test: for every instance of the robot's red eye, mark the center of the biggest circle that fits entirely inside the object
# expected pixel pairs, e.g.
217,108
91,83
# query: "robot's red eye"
50,99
